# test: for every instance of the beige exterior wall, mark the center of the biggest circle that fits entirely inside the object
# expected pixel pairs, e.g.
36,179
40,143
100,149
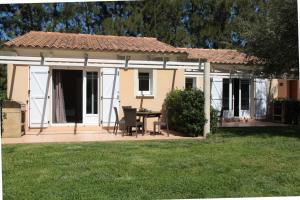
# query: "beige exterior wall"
282,88
200,82
17,85
272,88
285,91
163,82
17,82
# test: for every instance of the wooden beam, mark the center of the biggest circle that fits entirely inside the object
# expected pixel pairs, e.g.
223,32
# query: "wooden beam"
102,63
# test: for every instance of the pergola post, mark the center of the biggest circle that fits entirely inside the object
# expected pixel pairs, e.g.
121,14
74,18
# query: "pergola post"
206,98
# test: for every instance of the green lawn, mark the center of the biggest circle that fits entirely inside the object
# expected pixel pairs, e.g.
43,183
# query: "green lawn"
233,163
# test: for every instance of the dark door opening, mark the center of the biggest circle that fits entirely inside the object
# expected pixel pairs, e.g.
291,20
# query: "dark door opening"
235,89
71,88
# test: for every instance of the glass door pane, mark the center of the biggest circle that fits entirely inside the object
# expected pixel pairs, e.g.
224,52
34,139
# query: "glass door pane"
236,98
245,95
92,93
225,95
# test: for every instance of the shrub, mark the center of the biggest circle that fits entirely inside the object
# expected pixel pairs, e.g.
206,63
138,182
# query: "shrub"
289,108
186,112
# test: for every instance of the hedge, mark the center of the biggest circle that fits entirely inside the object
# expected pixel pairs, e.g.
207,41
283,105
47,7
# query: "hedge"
185,112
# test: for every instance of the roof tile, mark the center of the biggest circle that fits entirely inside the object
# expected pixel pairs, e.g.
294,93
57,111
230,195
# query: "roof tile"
221,56
91,42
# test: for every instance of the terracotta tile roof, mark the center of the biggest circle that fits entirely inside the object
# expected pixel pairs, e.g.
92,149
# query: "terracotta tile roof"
74,41
221,56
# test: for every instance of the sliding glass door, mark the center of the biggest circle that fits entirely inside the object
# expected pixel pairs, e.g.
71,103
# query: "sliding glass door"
91,94
236,97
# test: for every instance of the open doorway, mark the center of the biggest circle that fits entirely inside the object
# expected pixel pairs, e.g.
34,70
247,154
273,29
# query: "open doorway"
236,96
67,96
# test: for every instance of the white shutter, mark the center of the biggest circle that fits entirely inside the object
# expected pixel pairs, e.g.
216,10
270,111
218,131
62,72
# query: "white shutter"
216,93
260,98
39,81
110,95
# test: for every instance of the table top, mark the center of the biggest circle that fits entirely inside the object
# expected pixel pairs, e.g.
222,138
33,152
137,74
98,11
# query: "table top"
141,113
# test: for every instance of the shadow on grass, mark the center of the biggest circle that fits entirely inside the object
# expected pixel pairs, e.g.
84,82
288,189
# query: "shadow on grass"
287,131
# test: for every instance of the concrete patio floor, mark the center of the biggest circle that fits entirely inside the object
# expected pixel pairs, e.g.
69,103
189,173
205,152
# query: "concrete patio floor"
98,134
89,137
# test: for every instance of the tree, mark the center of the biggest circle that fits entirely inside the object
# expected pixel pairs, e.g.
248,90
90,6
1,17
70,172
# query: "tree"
273,36
267,29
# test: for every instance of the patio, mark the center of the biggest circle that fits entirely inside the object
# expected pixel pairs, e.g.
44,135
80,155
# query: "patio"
97,134
84,135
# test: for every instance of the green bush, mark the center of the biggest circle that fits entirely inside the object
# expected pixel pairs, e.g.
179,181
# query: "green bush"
290,108
186,112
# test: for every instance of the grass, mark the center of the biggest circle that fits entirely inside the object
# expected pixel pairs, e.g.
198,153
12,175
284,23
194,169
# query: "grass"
235,162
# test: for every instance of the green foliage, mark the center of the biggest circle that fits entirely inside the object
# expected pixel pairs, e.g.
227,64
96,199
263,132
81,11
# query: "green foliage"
214,118
290,108
268,28
177,22
2,82
185,110
272,34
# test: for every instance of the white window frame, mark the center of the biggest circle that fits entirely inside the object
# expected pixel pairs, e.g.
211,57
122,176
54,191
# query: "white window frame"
90,118
92,104
145,93
194,81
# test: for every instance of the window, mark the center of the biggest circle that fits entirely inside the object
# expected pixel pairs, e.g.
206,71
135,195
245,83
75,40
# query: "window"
145,82
92,92
190,82
225,96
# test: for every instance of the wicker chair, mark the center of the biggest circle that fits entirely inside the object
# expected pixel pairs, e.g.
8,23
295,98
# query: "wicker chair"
126,107
119,124
130,120
159,124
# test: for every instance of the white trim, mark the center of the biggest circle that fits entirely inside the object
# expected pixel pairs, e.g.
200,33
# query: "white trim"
240,98
154,82
219,74
86,118
45,109
47,59
99,97
83,95
252,98
51,95
98,63
194,77
21,58
84,70
230,96
151,82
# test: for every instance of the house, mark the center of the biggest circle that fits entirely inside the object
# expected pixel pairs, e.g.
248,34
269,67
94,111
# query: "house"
288,89
66,78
